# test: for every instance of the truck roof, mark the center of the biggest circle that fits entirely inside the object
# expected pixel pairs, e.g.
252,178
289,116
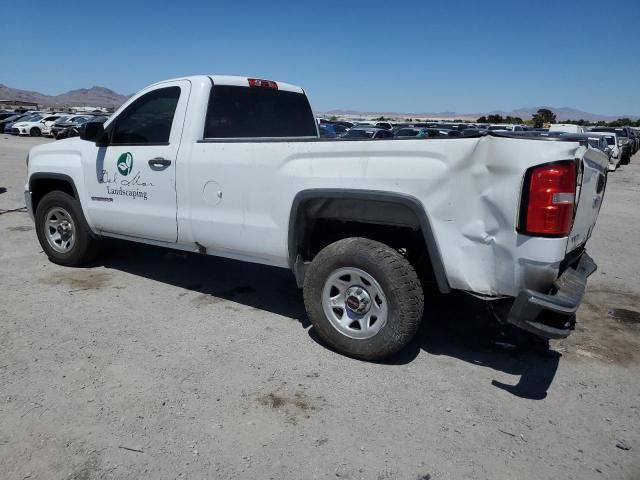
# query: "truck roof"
234,81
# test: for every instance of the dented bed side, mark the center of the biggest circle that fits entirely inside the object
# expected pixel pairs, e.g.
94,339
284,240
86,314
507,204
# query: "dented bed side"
469,188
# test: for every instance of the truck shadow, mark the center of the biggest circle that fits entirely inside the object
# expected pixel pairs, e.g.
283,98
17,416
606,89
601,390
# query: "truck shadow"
212,278
459,326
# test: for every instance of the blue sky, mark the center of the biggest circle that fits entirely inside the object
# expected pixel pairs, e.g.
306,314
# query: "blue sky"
411,56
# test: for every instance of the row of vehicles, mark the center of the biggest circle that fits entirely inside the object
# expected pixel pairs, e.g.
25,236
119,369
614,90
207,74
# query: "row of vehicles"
50,124
618,143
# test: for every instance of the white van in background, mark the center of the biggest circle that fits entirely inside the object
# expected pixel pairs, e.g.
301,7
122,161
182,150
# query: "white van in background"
566,127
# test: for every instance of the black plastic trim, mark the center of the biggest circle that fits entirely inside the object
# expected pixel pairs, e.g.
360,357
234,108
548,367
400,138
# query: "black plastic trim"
381,196
324,139
161,144
530,307
65,178
53,176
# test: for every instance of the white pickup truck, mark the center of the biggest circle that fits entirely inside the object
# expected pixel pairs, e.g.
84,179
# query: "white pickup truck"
234,167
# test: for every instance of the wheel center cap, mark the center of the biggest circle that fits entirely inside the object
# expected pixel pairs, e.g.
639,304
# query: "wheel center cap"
358,300
64,228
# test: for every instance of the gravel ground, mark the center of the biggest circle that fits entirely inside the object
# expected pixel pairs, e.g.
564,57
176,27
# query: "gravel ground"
161,365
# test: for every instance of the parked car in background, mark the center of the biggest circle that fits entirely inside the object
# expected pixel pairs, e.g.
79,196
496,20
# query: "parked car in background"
14,117
61,130
499,128
367,132
47,130
5,115
34,126
331,130
566,127
73,130
27,117
412,132
385,125
636,138
614,149
624,135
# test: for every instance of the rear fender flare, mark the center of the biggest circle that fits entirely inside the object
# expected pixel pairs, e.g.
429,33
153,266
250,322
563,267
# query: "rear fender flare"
380,196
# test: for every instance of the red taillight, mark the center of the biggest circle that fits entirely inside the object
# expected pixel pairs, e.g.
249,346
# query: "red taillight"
258,83
549,199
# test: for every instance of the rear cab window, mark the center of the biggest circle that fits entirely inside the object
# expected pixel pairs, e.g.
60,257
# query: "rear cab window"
258,112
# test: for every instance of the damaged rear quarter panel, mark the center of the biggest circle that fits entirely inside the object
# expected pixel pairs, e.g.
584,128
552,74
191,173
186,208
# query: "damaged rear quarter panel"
470,189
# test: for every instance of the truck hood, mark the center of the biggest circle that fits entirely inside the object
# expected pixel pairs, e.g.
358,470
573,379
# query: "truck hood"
66,144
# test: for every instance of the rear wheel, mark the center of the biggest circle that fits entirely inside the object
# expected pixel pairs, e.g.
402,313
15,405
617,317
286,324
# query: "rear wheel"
363,298
63,231
35,132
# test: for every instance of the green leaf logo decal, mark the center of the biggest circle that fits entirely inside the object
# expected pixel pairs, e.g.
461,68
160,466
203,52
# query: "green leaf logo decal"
125,163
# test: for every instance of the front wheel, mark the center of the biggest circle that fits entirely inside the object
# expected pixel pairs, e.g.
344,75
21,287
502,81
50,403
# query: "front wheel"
35,132
363,298
62,230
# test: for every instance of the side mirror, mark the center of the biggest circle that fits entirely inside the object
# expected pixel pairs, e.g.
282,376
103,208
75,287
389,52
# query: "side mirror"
94,132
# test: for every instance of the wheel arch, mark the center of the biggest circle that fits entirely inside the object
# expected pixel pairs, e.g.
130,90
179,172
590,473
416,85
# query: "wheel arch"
42,183
409,211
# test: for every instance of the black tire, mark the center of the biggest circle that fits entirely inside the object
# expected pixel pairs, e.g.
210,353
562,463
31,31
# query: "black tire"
35,132
396,277
84,249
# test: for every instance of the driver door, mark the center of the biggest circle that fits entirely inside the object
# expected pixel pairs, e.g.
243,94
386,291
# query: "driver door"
132,189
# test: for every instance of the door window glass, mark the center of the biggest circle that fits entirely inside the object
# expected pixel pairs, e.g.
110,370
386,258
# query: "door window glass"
148,120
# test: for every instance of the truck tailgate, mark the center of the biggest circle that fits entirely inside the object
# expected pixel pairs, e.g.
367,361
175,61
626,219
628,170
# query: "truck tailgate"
590,192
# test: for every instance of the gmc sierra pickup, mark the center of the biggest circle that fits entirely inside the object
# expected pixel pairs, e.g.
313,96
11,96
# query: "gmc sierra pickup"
234,167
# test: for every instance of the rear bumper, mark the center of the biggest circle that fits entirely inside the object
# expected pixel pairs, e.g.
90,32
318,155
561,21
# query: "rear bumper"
552,315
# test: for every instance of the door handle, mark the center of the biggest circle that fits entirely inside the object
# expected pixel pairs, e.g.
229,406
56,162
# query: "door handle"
159,162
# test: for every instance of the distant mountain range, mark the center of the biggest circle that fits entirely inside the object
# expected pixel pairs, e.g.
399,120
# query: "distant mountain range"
89,97
104,97
562,113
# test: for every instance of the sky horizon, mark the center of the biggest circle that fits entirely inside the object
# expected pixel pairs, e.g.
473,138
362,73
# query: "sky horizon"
416,57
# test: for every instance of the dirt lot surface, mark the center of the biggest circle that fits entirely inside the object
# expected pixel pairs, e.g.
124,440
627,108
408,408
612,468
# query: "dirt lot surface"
161,365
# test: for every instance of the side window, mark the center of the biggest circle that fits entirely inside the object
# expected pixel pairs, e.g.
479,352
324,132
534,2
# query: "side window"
148,120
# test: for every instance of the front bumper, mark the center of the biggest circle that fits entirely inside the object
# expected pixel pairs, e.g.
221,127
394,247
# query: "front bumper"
552,315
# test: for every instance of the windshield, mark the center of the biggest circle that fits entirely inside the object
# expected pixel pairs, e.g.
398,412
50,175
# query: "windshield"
28,118
359,134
